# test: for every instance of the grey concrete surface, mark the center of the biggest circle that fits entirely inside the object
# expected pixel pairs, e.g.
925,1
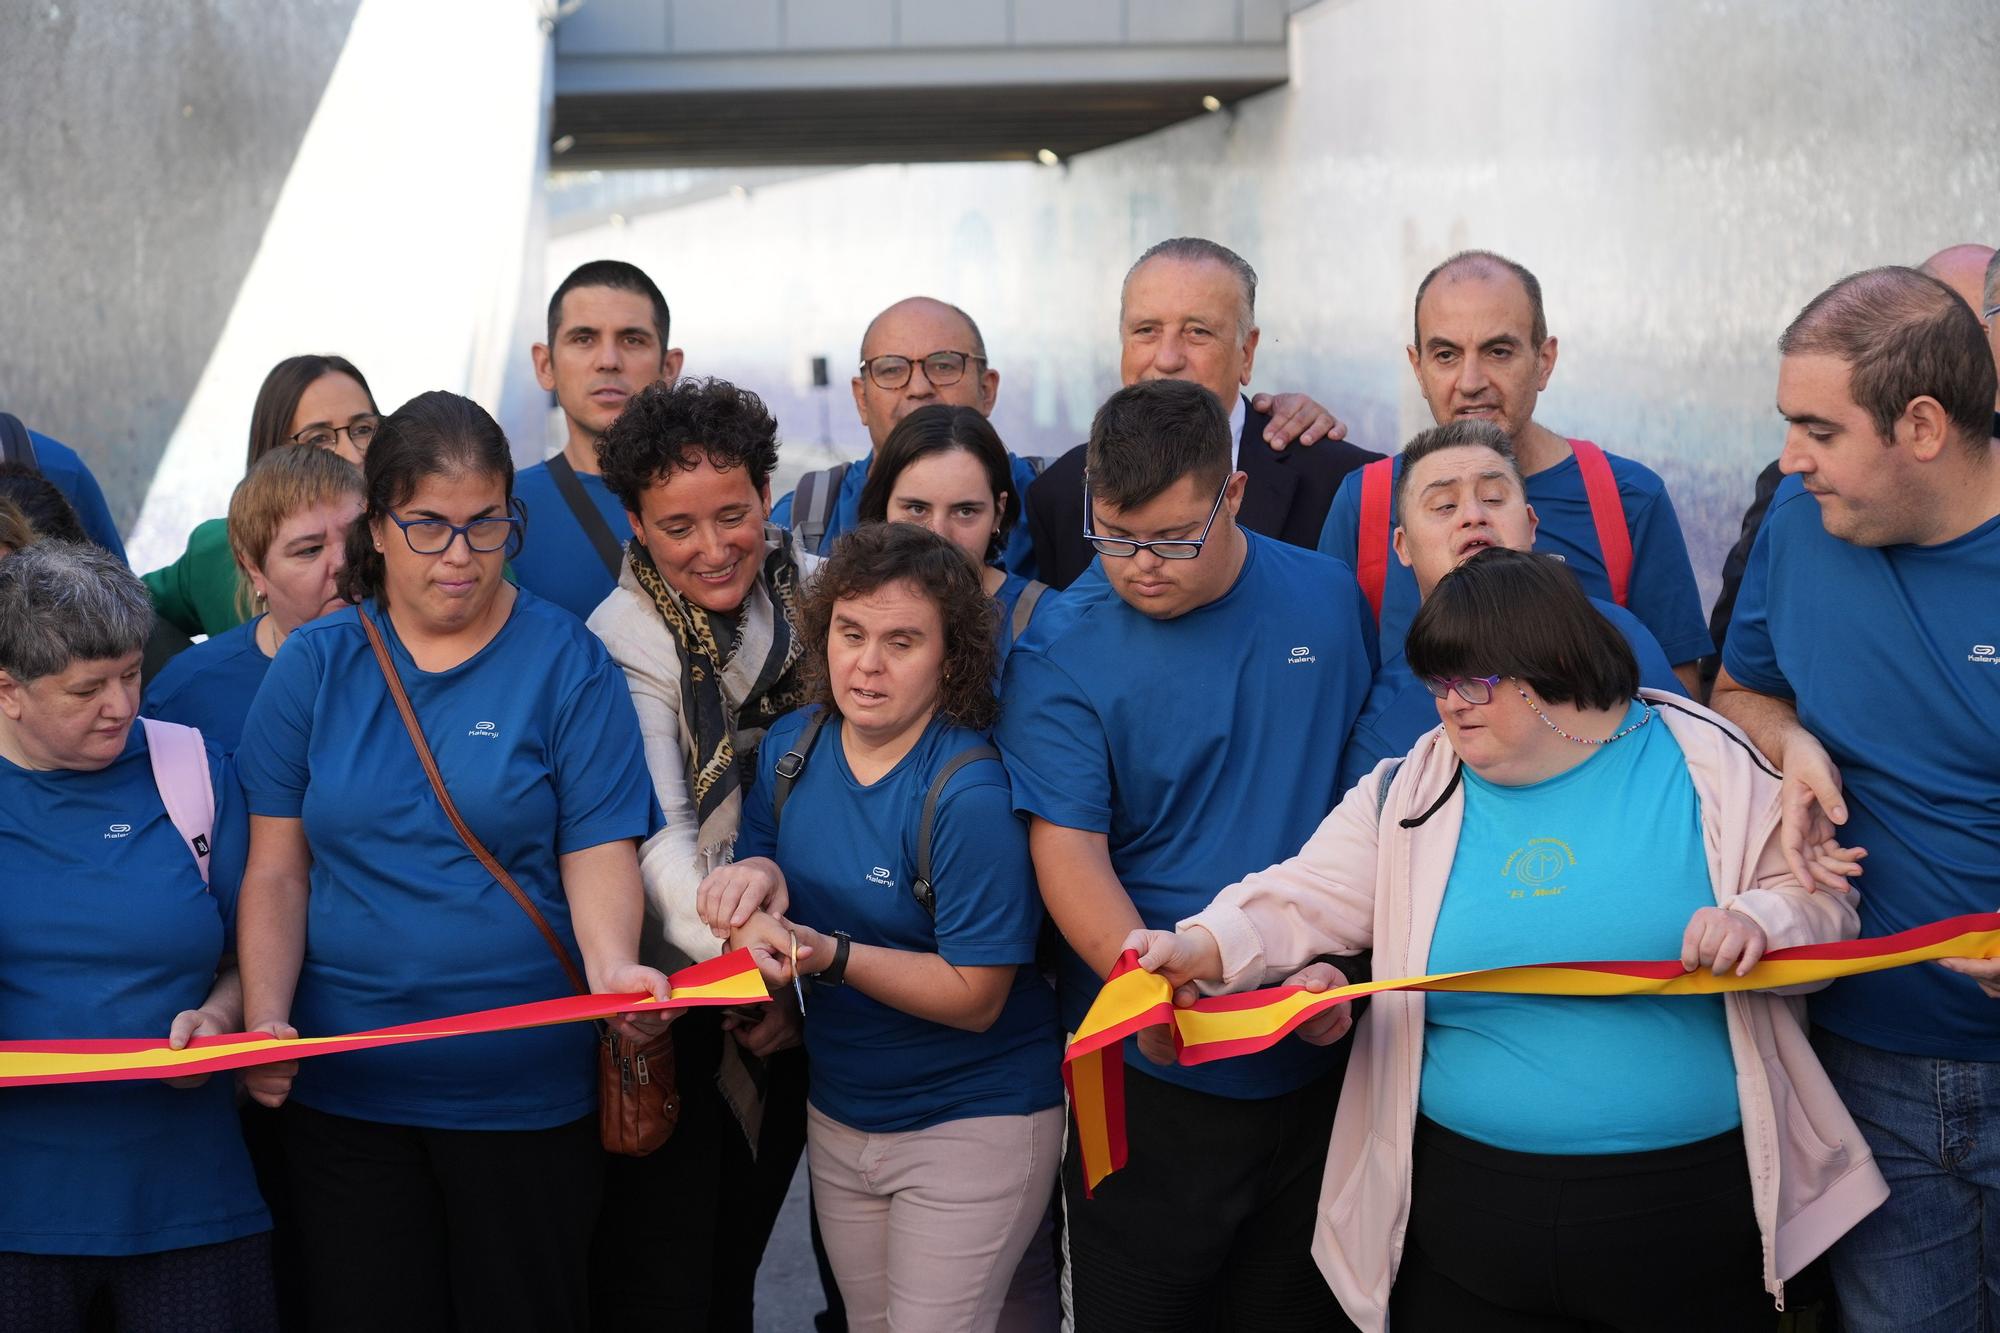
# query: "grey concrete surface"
142,147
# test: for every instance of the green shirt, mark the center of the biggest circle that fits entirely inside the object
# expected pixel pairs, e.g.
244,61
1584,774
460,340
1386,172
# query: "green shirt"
197,593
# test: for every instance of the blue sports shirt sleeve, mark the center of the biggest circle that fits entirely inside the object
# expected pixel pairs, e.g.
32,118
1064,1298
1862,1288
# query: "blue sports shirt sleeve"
1663,593
1748,653
603,790
988,910
1341,532
229,848
757,833
1056,753
272,760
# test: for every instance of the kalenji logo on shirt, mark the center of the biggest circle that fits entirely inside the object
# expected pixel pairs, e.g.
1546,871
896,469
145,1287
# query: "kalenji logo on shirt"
881,875
1301,656
485,731
1984,654
118,830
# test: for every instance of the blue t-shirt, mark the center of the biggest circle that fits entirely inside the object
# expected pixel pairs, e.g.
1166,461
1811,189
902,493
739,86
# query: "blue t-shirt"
107,931
1604,861
210,686
539,747
1018,557
1400,709
1662,593
1204,747
557,561
1889,654
60,464
849,854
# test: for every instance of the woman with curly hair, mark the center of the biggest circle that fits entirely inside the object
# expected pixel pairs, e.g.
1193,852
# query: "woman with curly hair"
934,1123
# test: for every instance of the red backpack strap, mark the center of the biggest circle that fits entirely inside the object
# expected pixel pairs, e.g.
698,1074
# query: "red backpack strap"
180,771
1371,555
1607,515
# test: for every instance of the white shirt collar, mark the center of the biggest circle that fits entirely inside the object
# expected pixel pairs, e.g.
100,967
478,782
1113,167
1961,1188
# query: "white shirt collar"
1236,414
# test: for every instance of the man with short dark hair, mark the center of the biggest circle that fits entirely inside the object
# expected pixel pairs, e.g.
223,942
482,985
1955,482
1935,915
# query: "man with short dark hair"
922,351
1481,350
1458,492
1188,311
1861,659
1170,728
608,327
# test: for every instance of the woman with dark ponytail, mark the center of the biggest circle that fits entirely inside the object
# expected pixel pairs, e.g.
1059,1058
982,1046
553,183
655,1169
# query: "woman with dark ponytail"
462,1177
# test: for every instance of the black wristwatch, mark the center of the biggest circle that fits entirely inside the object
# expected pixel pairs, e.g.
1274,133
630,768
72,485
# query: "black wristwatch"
835,973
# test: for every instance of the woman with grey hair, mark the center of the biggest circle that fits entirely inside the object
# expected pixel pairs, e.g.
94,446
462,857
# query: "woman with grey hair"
123,845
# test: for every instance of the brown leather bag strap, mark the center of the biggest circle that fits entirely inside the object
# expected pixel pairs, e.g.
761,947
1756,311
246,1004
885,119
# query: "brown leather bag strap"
472,842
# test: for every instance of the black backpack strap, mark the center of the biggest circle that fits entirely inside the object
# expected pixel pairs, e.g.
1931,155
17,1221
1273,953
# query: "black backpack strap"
921,887
792,763
588,517
812,505
16,446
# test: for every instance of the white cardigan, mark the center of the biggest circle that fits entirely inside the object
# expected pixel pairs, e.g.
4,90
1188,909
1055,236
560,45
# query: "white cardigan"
670,863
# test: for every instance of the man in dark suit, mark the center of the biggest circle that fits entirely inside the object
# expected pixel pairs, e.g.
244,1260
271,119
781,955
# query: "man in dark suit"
1188,312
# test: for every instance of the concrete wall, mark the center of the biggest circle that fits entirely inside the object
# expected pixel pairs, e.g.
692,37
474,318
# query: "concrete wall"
142,148
1683,177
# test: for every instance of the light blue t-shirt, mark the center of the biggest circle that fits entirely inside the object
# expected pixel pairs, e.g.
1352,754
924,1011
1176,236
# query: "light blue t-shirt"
557,561
1018,557
849,854
1606,861
1662,594
1400,708
1203,747
209,686
540,749
1890,654
106,930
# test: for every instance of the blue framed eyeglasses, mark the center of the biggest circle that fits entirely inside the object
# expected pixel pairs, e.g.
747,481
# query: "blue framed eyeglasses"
434,536
1176,548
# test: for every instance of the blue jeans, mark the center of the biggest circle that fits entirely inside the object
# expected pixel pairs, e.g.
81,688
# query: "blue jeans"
1928,1260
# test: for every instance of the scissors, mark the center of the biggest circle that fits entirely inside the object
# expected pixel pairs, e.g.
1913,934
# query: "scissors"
798,988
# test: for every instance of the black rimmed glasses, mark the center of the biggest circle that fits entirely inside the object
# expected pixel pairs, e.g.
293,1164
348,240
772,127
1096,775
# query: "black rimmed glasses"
1472,689
940,368
1175,548
434,536
359,431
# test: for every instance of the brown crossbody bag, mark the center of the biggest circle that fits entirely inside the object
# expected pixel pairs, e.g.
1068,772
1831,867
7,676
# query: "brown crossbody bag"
637,1103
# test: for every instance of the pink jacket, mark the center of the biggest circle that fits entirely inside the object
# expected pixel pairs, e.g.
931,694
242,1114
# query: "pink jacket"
1359,883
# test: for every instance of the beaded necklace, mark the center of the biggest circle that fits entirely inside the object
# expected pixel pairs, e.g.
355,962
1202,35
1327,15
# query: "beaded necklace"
1644,718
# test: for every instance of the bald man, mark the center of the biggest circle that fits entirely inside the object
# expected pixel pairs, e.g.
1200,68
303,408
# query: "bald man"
922,351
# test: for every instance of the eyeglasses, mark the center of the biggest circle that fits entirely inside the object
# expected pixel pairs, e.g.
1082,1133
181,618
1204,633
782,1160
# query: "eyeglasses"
1986,315
1472,689
434,536
940,368
360,430
1176,548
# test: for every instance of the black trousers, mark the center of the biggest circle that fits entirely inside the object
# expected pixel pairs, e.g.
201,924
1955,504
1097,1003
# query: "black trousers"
435,1229
682,1231
1210,1224
220,1288
1525,1243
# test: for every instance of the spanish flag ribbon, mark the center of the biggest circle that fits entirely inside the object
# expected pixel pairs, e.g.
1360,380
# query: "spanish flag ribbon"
1218,1027
730,979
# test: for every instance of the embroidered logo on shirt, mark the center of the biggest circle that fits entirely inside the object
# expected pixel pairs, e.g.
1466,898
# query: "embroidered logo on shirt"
1301,656
1538,866
118,830
485,731
1984,654
881,875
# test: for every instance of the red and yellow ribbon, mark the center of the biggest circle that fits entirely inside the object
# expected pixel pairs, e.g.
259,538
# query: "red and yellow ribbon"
730,979
1229,1025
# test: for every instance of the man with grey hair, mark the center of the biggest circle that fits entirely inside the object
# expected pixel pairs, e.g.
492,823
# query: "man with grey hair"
1861,660
1188,311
